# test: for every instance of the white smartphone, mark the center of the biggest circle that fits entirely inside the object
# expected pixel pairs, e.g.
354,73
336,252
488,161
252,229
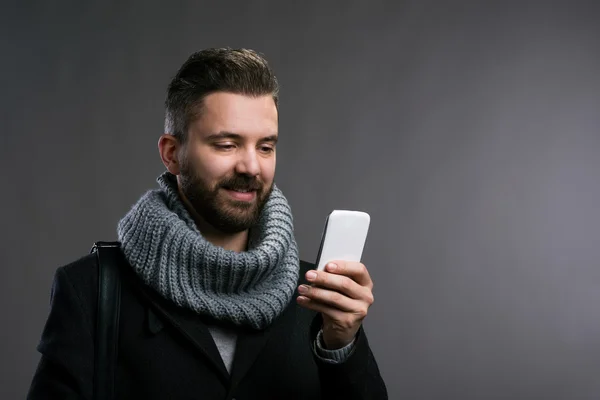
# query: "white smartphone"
344,237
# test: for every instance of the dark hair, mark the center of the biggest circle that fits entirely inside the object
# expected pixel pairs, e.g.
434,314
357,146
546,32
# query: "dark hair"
239,71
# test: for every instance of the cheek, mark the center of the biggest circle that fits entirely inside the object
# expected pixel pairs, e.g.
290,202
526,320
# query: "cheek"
210,169
268,170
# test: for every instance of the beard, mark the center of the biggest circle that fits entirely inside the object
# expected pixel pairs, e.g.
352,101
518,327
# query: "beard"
218,209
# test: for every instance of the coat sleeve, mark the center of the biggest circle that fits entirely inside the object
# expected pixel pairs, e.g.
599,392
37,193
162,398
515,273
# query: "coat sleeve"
65,369
356,378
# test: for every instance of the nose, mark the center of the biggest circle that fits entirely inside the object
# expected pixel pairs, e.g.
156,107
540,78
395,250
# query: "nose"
248,163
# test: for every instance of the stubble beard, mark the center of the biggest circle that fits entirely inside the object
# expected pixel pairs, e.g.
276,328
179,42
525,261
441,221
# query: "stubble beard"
223,213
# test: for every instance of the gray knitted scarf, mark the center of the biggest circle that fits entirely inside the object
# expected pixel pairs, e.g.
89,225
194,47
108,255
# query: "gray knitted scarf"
165,248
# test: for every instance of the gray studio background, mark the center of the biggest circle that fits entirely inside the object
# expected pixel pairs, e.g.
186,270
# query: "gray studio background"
468,130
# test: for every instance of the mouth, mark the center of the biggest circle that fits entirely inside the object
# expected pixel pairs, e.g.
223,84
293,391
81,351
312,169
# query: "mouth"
241,194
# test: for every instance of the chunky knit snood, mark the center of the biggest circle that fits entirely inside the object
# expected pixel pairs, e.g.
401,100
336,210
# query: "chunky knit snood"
167,251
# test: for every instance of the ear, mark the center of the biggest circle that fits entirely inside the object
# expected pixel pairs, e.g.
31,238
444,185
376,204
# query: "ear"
168,147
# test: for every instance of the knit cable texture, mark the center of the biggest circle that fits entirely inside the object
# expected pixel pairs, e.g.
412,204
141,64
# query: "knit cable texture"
162,243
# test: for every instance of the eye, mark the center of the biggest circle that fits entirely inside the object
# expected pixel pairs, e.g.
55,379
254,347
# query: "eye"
267,149
225,146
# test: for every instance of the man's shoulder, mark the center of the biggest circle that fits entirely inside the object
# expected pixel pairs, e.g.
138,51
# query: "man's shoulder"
81,274
86,266
83,265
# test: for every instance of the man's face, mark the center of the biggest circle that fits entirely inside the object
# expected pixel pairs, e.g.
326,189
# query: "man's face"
228,162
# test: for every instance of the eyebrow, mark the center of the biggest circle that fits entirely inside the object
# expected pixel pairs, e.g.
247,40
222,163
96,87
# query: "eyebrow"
236,136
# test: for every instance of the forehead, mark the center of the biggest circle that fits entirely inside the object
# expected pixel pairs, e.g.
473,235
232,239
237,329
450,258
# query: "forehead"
237,113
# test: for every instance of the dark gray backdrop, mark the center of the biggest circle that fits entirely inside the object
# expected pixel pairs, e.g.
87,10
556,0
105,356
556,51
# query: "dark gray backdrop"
468,130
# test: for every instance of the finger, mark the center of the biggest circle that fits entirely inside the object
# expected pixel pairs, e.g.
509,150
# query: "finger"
331,312
354,270
339,283
331,298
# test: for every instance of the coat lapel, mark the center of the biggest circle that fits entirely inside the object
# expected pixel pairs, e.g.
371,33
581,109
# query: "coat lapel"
192,327
251,343
186,322
248,346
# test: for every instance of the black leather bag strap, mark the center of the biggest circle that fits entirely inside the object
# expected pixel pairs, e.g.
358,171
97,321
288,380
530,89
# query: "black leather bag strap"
107,319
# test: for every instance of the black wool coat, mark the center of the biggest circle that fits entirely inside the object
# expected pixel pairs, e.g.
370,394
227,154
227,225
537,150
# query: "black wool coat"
166,351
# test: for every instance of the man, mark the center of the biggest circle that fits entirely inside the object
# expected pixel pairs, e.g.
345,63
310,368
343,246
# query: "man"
208,304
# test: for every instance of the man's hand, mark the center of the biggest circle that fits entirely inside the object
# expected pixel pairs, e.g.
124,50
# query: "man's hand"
343,294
